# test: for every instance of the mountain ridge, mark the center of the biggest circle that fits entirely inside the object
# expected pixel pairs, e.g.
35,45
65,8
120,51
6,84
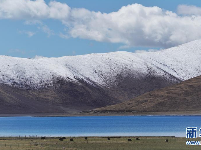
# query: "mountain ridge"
102,68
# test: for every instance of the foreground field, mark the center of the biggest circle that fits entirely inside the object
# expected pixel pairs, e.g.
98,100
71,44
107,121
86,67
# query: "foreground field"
96,143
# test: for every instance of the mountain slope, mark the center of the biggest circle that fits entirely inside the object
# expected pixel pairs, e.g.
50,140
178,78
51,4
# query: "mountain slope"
66,97
185,96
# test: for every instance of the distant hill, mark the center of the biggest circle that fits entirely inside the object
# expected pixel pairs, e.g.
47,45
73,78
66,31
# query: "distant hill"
183,97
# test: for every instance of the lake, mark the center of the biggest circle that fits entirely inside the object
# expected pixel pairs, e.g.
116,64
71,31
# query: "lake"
98,126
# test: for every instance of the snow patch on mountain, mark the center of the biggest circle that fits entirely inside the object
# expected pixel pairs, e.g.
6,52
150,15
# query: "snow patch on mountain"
183,62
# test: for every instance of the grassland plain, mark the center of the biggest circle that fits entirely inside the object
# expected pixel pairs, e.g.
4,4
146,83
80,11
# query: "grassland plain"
96,143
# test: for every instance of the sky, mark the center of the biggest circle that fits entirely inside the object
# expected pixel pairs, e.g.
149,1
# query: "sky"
47,28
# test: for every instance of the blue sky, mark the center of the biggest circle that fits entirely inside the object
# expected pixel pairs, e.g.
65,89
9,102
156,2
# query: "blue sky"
26,36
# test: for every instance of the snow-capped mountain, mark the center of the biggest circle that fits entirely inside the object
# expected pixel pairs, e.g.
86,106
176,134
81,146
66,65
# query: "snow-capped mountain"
182,62
75,83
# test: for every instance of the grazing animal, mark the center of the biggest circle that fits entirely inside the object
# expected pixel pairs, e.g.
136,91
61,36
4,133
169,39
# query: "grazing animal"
137,138
71,139
42,138
85,138
166,140
129,140
108,138
62,138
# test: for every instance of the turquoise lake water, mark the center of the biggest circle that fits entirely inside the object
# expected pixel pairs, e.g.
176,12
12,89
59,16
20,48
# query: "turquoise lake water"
98,126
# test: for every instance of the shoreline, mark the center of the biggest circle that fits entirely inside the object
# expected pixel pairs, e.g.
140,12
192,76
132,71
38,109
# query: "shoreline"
186,113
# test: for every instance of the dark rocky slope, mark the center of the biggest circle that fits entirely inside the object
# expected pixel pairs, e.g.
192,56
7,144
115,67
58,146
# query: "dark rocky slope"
182,97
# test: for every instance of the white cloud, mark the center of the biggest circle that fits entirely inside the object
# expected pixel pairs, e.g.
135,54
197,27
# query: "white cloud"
188,10
46,30
28,33
124,47
27,9
132,25
33,22
58,10
41,26
64,36
135,25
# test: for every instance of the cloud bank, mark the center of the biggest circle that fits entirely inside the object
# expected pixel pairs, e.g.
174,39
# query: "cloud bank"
132,25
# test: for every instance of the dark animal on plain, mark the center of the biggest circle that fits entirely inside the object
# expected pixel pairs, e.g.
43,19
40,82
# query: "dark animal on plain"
129,140
137,138
42,138
85,138
108,138
71,139
166,140
61,138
